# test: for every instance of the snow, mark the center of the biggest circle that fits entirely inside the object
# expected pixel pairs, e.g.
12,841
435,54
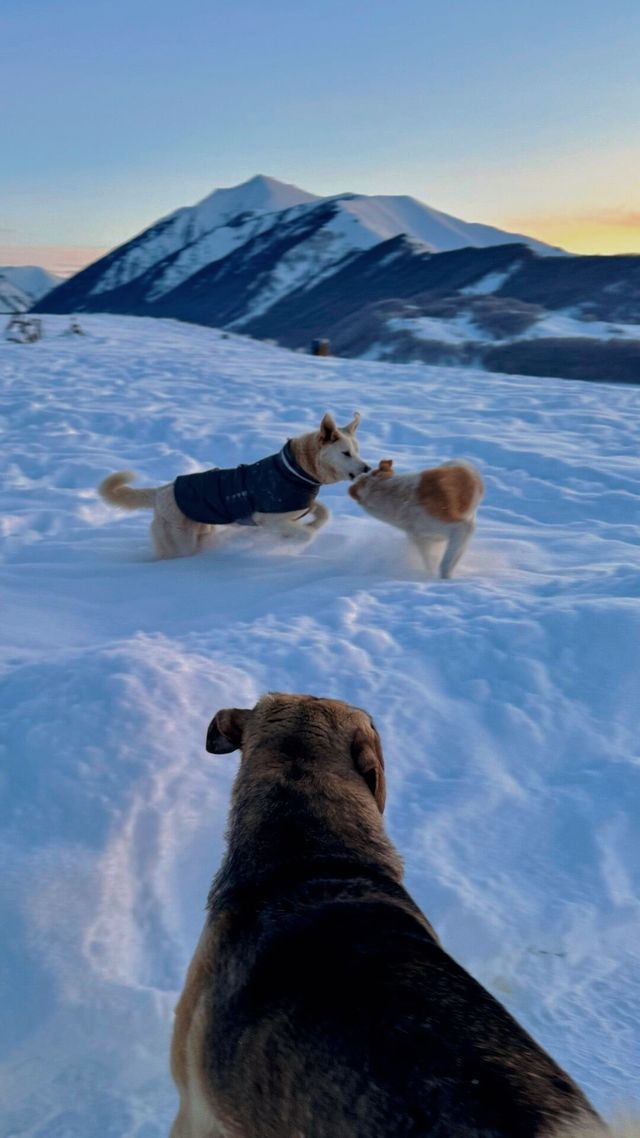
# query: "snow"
389,216
506,698
310,261
455,330
463,329
12,299
22,285
489,282
565,323
260,194
211,246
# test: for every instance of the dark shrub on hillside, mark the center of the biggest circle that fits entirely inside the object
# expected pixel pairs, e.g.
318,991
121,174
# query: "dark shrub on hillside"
504,317
571,358
443,307
402,347
501,316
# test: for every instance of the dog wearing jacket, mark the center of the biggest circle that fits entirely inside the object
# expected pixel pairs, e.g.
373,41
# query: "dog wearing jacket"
431,506
276,493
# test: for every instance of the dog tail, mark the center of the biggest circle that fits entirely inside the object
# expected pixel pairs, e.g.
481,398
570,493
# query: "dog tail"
114,489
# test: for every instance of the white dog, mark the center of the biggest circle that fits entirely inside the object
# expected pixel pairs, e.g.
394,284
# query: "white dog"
431,506
276,492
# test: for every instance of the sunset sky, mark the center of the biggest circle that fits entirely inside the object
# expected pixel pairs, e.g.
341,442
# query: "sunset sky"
519,114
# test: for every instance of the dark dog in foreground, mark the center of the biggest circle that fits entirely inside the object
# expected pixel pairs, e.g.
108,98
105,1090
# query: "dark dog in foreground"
319,1003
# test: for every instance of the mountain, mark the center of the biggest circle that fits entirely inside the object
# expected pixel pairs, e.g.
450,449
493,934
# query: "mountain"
22,285
298,236
504,307
382,276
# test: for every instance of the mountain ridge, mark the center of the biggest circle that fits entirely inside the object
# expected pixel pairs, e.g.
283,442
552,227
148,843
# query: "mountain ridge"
227,218
348,267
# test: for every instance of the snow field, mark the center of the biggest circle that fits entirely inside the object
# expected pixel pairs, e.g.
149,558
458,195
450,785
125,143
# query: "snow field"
506,698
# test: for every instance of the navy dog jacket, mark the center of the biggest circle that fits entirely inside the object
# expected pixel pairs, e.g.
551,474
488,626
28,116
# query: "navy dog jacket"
274,485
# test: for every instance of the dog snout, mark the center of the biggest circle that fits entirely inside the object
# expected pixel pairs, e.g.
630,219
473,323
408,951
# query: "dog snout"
366,469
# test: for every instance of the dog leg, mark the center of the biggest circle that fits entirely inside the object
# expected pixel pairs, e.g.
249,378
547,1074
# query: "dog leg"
459,538
321,516
284,525
426,547
206,538
161,538
186,539
169,541
174,535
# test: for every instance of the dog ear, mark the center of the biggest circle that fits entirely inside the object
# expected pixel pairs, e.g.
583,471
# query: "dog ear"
352,427
328,430
366,751
224,734
385,466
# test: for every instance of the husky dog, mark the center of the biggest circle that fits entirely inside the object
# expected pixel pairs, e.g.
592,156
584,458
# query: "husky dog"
319,1002
431,506
276,492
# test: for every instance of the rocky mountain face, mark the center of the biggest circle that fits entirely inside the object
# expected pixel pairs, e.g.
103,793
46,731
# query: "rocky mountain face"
383,277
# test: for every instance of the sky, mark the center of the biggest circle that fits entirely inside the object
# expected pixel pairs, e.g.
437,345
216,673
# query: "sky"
517,114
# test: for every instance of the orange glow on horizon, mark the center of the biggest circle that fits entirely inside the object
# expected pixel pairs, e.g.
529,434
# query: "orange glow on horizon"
63,260
608,234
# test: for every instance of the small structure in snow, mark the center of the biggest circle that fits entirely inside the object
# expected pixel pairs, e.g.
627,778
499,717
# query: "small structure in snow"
320,347
74,328
23,329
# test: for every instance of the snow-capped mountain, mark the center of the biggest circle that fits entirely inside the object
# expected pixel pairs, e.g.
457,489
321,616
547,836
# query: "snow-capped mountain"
274,261
301,236
22,285
189,238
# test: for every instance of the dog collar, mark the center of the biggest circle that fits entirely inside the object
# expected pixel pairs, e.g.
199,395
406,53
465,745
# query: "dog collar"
290,464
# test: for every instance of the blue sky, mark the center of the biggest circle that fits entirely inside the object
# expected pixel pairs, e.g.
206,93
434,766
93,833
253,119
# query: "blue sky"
524,115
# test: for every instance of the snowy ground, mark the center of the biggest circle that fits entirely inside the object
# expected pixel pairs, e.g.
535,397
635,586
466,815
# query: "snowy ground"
508,699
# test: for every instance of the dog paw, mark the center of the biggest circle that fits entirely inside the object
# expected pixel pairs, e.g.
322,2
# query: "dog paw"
300,535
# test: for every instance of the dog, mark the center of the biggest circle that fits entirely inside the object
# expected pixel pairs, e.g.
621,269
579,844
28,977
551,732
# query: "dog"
319,1002
431,506
275,493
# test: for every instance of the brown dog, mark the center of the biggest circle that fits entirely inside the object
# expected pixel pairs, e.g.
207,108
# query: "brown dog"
319,1003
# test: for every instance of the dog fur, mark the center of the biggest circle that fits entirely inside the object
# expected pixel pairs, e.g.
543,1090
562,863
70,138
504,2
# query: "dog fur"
319,1002
328,455
431,506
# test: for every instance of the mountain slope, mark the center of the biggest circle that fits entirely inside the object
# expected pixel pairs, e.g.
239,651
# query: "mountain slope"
389,216
398,302
22,285
164,256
